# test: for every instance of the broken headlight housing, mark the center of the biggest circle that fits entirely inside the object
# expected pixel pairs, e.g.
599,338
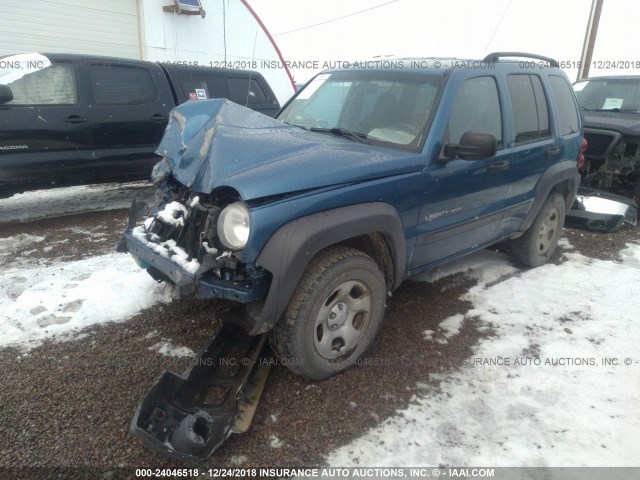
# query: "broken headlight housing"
233,226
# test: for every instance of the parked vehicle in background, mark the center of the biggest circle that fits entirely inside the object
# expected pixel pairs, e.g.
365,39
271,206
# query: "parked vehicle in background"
611,109
75,119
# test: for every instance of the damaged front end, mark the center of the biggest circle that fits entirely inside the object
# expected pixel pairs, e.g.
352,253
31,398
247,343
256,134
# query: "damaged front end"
613,162
194,237
180,243
195,233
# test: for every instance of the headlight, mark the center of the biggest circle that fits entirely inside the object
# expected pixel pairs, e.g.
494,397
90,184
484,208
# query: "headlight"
233,226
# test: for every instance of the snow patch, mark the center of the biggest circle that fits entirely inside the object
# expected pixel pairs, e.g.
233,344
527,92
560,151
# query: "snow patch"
484,265
531,415
275,442
168,349
42,302
452,325
173,213
168,249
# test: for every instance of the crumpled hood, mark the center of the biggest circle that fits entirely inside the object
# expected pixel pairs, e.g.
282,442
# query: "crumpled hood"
216,143
625,123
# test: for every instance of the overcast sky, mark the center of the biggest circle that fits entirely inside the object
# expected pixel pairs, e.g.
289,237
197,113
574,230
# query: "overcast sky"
459,28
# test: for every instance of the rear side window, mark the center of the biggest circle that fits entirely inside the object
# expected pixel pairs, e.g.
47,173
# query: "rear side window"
567,113
530,111
242,92
54,85
477,108
193,85
121,85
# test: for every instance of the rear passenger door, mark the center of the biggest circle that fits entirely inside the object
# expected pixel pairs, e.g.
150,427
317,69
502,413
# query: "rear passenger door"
130,106
534,146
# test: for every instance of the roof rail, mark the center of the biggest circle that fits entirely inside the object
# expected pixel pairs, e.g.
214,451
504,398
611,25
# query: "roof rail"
495,56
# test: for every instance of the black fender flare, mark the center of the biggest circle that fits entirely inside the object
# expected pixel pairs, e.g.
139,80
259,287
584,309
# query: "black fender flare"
554,175
292,246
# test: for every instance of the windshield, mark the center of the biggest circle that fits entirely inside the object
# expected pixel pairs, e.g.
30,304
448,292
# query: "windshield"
609,94
388,108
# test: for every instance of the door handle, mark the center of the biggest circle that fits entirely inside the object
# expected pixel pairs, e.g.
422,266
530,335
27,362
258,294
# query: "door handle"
552,151
499,166
75,119
158,118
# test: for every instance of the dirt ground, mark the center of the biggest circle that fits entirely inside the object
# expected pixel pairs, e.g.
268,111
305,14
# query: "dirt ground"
70,403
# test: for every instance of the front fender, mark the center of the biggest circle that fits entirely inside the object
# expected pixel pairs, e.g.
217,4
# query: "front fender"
292,246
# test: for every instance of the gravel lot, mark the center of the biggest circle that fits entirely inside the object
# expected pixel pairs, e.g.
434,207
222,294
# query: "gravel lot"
70,403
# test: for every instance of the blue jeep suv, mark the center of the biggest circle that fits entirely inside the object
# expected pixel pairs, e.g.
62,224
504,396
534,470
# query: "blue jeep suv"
369,175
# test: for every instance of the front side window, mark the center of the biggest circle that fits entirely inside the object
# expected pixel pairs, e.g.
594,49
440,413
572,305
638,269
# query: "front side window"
530,111
380,107
121,85
53,85
477,109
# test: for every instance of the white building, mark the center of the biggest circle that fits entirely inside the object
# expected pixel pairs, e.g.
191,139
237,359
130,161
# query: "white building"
213,33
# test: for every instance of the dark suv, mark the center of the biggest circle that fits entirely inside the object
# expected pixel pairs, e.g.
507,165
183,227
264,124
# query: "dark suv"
611,108
369,175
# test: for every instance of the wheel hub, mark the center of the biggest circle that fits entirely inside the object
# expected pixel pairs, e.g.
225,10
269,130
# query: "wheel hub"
337,316
342,319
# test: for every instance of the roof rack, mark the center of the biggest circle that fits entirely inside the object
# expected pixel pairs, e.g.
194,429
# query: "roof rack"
495,56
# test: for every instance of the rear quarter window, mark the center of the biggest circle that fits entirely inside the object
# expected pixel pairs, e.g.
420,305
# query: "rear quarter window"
121,85
568,122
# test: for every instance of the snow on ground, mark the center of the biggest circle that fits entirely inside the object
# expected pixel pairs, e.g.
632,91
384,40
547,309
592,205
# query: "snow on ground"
165,347
485,266
38,302
57,202
561,406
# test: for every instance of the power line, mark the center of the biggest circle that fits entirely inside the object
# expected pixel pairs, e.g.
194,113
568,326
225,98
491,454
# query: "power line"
335,19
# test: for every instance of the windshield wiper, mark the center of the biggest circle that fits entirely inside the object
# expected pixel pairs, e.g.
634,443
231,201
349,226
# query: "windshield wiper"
343,132
623,110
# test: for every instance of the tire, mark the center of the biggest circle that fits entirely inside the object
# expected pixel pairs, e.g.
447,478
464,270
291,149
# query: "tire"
333,316
536,246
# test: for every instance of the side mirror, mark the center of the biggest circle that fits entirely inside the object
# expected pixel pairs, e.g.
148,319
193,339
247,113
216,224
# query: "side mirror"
472,146
6,95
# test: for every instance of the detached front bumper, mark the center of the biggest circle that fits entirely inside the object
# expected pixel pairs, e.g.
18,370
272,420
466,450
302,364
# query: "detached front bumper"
204,285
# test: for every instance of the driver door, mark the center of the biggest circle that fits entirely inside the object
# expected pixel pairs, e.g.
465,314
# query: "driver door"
464,199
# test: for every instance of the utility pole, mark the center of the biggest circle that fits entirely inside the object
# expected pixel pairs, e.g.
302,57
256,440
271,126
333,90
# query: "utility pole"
590,38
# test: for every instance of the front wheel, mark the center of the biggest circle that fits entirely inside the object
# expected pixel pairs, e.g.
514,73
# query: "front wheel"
537,244
333,316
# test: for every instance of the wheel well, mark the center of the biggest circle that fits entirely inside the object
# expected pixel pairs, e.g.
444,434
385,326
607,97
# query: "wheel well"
565,189
375,245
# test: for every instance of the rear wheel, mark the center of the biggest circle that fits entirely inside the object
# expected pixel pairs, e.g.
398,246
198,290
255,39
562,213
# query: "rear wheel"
333,316
537,244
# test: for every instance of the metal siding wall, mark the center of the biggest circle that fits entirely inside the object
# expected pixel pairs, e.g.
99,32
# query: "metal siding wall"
171,37
70,26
